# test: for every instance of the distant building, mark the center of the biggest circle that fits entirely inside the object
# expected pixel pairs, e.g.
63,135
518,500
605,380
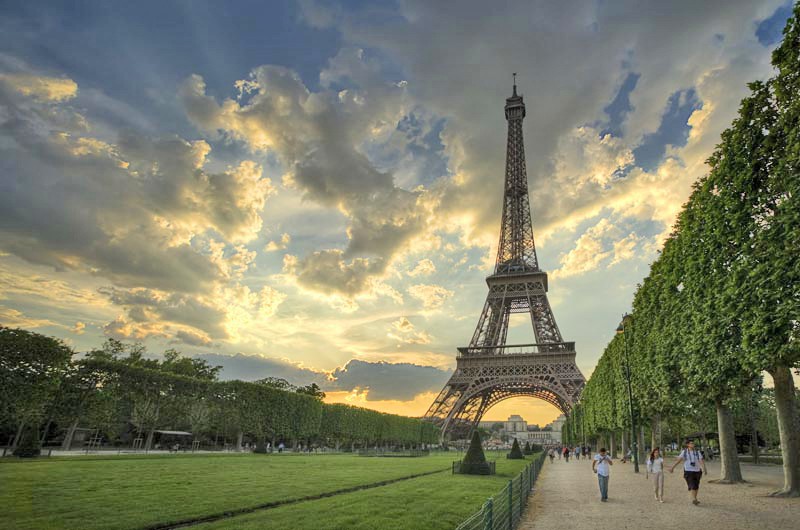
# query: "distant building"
515,424
517,428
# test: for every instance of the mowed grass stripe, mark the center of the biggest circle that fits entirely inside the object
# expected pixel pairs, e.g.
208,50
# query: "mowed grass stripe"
271,505
128,492
434,502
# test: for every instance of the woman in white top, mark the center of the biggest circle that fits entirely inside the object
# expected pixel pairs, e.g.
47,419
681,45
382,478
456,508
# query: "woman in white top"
655,466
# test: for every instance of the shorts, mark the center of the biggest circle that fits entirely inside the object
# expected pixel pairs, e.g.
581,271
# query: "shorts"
692,479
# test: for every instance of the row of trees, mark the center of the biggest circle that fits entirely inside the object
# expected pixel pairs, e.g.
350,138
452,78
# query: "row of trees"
721,304
126,395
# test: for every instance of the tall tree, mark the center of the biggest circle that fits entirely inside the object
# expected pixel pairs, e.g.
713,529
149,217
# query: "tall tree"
770,268
32,367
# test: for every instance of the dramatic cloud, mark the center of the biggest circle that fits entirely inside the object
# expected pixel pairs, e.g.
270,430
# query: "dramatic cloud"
141,212
341,210
574,169
382,380
320,138
388,381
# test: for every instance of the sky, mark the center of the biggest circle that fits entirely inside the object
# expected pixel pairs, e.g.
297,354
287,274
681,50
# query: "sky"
312,190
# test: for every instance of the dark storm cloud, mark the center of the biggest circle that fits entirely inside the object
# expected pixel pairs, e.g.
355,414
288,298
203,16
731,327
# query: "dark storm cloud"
400,381
385,381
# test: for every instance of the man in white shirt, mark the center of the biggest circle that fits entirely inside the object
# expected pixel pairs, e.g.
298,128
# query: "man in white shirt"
600,466
692,462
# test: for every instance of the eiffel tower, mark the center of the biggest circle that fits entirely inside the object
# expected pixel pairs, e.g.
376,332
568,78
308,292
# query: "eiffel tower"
489,370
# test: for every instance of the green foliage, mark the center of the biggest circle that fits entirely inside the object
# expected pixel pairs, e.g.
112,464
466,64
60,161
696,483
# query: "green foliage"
515,453
312,390
475,452
32,368
527,450
474,462
119,389
720,304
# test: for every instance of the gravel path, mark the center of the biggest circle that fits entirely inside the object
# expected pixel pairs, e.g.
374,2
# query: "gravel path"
567,496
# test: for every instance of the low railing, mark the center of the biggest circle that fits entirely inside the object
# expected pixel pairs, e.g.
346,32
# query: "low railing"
505,509
518,349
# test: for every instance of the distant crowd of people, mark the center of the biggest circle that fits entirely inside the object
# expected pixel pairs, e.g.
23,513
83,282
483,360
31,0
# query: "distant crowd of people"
693,460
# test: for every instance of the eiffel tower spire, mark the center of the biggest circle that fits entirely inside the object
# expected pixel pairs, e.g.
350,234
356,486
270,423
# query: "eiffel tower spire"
488,370
516,251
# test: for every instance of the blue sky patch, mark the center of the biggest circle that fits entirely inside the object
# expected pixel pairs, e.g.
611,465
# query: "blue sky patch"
770,30
673,130
620,106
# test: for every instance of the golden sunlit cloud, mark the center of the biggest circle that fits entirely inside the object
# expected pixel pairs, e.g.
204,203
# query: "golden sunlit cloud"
42,87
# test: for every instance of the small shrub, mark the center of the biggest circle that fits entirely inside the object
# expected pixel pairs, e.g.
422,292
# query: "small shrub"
527,450
516,452
474,462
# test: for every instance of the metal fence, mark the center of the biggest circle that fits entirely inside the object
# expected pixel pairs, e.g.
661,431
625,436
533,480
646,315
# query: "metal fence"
504,510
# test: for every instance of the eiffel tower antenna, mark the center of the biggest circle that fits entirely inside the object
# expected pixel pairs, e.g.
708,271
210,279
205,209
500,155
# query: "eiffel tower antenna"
489,370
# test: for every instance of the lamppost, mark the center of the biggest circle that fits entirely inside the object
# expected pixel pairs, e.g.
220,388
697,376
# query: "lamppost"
634,437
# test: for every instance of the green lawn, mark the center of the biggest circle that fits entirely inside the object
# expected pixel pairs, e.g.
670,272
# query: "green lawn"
440,501
136,491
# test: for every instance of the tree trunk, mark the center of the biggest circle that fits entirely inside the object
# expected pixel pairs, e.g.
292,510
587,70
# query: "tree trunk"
730,471
149,443
655,432
787,427
753,429
67,443
239,439
17,437
624,444
640,444
45,431
612,442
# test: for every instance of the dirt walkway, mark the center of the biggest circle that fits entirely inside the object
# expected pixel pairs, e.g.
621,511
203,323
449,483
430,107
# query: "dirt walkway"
567,496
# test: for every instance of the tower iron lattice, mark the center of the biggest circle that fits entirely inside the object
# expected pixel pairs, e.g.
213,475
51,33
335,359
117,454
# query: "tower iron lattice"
489,370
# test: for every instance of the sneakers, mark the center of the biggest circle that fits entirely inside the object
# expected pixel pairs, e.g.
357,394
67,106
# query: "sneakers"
695,502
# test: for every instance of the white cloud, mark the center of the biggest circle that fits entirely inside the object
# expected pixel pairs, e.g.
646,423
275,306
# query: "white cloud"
424,267
431,296
281,244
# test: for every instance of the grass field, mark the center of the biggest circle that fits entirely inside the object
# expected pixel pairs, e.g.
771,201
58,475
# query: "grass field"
140,491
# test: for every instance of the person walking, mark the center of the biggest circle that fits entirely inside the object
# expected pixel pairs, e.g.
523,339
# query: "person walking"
566,454
601,466
577,453
655,467
552,454
692,462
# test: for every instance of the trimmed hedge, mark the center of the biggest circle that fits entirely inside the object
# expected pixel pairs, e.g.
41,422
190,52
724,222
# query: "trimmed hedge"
516,452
